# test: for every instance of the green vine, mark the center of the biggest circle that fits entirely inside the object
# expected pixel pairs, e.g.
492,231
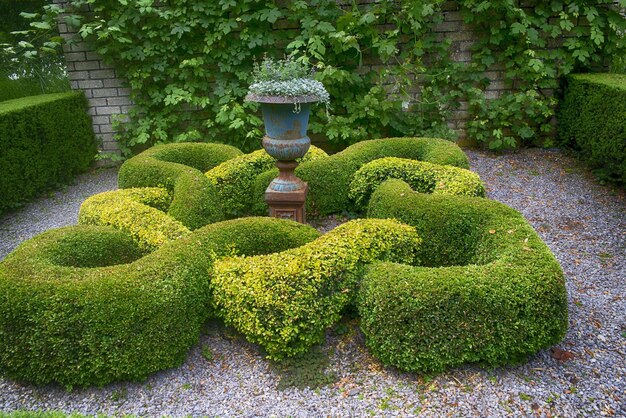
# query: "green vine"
189,63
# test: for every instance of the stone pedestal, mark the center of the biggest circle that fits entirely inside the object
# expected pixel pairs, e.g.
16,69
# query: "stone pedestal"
287,205
286,194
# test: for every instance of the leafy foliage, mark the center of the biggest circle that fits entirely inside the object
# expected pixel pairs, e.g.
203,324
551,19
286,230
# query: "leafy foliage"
533,46
592,120
123,318
496,293
140,212
189,63
285,301
29,42
45,141
423,177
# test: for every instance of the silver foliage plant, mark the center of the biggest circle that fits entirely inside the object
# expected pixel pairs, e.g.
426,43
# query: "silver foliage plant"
288,77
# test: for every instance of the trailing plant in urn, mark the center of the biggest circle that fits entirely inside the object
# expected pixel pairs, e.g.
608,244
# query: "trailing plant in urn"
285,89
287,78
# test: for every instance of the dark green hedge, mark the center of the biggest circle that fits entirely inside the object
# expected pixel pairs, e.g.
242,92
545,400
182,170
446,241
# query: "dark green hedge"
592,119
489,290
329,178
75,308
44,141
180,169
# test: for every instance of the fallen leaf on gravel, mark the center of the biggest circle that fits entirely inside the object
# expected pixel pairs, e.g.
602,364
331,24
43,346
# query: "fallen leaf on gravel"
561,355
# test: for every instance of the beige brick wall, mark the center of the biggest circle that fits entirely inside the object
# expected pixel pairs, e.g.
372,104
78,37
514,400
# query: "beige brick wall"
106,93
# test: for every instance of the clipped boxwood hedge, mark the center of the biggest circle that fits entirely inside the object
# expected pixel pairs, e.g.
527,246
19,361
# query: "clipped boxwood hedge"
284,301
44,141
489,289
422,176
592,119
140,212
75,308
235,179
85,306
329,178
180,169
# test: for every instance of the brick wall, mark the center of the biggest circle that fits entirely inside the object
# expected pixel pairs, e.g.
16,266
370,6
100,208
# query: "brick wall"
105,91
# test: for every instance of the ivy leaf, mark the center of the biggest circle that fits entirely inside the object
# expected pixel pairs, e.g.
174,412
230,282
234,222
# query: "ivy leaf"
525,132
40,25
270,15
517,28
72,21
227,4
29,16
367,19
535,64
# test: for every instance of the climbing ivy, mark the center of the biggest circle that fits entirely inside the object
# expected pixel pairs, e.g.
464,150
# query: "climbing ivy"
534,46
189,63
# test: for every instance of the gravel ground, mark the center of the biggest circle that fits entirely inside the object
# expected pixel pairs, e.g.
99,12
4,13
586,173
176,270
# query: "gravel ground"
57,209
583,222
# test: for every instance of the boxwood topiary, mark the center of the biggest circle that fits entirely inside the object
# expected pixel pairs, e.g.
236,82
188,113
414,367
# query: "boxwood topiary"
235,179
44,141
496,294
422,176
75,308
195,200
329,178
592,119
284,301
75,317
140,212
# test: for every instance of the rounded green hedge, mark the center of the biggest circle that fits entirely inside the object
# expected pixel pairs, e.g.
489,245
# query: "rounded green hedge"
422,176
284,301
235,179
140,212
179,168
77,308
489,290
329,178
463,279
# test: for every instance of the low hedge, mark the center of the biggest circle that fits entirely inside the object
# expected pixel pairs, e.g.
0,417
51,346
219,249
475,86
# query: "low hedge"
45,141
180,169
329,178
75,308
489,289
592,119
422,176
140,212
81,306
235,179
284,301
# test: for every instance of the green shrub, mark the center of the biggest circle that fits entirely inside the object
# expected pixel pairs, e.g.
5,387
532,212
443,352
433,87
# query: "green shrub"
45,140
489,289
592,119
285,301
64,319
140,212
179,168
329,178
423,177
235,179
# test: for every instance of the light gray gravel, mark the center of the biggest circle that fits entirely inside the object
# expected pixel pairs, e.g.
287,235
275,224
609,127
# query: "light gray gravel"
583,223
56,209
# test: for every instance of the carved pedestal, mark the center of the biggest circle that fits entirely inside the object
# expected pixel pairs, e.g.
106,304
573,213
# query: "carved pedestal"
287,205
286,194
